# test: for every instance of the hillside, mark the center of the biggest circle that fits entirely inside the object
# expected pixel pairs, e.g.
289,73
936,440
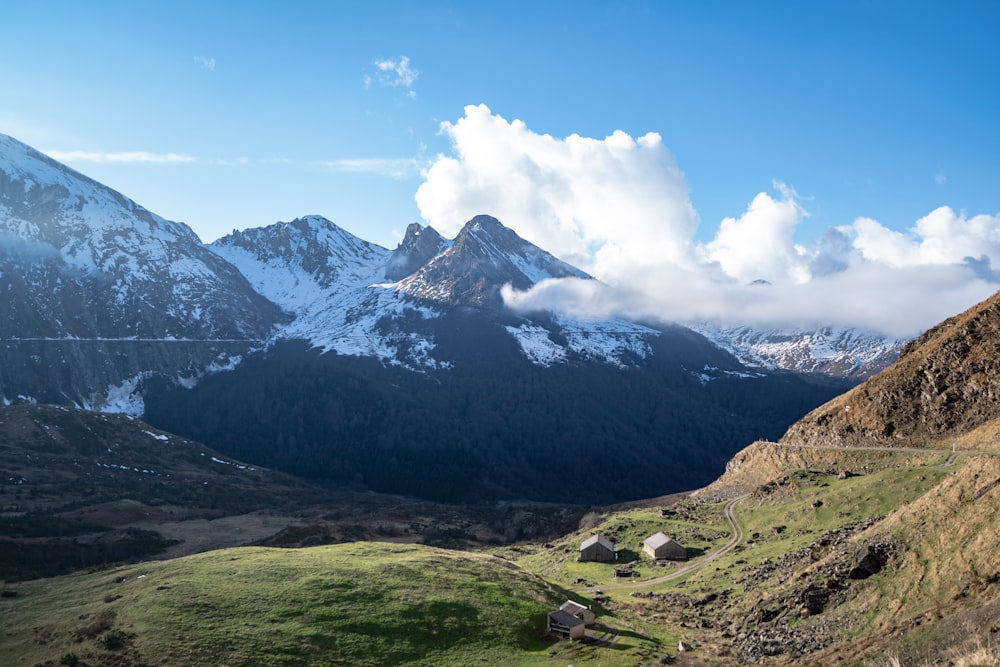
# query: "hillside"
350,604
945,383
495,426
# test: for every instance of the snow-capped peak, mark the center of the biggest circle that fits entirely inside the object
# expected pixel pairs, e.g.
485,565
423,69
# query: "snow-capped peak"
484,257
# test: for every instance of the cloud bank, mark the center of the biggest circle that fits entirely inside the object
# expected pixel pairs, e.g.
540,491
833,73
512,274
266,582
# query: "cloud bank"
619,208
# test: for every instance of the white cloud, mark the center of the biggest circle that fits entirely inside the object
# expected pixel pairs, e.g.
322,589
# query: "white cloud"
125,156
394,73
205,63
585,200
619,208
758,245
940,237
398,168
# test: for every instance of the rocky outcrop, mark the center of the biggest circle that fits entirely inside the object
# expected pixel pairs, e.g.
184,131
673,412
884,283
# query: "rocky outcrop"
945,383
417,248
484,257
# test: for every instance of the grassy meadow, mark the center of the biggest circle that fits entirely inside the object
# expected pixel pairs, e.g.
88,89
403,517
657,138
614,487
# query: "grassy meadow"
368,603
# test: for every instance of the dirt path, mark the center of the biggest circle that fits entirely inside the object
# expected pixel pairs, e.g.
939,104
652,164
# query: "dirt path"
737,530
684,570
917,450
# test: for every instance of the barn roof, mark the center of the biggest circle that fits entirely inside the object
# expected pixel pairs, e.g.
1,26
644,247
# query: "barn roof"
658,540
572,607
597,539
565,618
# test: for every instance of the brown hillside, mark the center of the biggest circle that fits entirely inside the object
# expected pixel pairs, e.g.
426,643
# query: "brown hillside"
945,383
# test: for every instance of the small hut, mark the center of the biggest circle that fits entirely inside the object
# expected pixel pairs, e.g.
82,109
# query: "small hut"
583,613
565,625
664,547
597,548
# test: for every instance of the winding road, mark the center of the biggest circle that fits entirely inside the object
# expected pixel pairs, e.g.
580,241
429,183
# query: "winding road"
737,530
684,570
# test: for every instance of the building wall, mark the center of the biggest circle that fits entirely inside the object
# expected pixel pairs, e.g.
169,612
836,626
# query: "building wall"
595,552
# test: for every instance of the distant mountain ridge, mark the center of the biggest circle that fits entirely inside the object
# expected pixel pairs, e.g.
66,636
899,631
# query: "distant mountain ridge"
844,352
341,293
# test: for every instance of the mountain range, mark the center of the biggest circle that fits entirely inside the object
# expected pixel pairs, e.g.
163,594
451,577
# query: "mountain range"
859,528
301,346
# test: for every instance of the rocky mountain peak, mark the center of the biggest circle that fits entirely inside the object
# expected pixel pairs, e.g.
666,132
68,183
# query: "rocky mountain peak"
312,244
485,256
82,266
946,382
418,246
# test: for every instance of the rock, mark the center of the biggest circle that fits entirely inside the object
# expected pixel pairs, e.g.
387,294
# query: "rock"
814,598
870,561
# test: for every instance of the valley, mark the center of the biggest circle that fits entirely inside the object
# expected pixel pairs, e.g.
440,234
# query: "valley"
295,447
776,573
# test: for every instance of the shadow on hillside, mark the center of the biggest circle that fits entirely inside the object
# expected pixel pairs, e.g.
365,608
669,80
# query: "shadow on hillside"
627,555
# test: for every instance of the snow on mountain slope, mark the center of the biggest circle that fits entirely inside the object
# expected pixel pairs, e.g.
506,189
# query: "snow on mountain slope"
101,295
842,352
484,257
334,285
343,296
146,276
608,341
300,263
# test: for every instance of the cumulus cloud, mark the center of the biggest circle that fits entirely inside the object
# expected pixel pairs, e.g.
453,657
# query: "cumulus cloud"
759,244
394,73
940,237
586,200
619,208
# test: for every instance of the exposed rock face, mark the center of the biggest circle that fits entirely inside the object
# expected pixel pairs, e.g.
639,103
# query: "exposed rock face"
484,257
871,560
945,383
419,245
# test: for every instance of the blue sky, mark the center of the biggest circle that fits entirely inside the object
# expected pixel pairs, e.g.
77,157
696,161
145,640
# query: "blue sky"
747,131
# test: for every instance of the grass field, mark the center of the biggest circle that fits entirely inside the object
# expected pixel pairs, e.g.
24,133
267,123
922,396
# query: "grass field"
348,604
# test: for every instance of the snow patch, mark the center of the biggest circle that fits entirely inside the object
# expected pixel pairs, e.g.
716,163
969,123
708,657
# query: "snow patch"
615,342
124,398
238,466
537,346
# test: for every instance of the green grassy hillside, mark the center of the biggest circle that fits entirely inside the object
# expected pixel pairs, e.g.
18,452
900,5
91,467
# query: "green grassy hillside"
347,604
